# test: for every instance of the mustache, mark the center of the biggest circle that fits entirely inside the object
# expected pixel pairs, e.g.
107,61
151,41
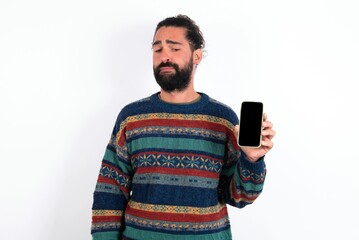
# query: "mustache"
167,64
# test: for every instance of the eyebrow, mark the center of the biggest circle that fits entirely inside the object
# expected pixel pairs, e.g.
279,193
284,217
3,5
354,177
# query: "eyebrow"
167,41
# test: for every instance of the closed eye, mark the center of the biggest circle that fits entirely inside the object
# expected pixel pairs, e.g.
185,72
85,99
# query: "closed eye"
157,50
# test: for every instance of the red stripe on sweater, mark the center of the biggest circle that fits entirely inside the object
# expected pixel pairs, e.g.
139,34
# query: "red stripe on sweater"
98,219
178,171
177,123
177,217
121,138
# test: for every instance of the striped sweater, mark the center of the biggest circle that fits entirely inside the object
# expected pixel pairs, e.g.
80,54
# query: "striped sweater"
169,170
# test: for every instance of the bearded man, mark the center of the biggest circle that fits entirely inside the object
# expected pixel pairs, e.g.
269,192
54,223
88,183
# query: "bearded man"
173,163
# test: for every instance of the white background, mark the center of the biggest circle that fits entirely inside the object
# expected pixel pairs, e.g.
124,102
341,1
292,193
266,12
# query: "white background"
68,67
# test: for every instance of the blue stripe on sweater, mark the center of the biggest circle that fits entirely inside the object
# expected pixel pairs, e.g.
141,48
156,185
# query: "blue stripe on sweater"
174,195
104,201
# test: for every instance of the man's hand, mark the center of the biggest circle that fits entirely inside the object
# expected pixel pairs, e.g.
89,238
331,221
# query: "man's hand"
268,133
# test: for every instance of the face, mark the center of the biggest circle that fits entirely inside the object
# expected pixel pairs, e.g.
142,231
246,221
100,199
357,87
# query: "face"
173,59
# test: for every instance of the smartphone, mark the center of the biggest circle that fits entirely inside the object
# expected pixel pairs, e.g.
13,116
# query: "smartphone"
250,124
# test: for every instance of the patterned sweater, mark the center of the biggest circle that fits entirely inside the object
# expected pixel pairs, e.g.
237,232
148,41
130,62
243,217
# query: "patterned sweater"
169,170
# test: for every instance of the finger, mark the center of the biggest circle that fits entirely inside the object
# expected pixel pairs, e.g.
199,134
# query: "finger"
267,143
265,116
267,124
236,128
270,133
236,131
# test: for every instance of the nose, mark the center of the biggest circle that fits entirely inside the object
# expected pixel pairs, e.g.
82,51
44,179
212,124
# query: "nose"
165,59
165,55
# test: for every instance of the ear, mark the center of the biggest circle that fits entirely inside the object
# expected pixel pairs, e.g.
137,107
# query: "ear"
197,56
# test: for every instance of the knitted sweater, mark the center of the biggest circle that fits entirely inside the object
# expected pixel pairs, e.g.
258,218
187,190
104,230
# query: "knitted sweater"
169,170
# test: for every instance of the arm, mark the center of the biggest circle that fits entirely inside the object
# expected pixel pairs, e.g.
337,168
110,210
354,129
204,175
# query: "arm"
112,189
242,180
244,170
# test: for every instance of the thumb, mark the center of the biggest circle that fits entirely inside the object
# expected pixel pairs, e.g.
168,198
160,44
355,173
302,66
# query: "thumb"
236,131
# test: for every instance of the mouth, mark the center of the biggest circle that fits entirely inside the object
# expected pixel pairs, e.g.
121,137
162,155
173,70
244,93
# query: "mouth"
166,70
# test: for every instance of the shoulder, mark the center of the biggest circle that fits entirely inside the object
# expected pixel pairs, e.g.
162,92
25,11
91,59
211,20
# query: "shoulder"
220,105
137,107
222,110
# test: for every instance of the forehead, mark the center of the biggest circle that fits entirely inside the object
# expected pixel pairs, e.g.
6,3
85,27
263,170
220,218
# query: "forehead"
164,34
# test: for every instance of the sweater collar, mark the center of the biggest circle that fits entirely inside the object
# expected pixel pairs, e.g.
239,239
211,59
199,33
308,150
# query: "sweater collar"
180,107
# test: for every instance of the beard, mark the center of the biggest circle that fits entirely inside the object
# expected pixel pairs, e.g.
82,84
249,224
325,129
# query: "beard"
177,81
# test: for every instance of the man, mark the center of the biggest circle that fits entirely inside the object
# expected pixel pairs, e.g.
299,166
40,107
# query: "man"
173,162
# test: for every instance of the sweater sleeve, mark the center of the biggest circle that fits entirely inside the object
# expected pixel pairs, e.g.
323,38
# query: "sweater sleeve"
113,188
241,180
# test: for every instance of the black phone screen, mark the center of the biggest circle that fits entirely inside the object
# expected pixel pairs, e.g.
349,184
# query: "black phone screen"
250,124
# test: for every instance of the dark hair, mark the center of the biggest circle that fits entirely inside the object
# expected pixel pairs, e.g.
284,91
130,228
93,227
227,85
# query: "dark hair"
194,34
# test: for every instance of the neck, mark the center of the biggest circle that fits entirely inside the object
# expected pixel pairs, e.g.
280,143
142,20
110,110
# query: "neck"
185,96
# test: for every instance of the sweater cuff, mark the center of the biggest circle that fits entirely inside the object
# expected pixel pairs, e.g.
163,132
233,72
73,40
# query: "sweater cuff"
255,167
